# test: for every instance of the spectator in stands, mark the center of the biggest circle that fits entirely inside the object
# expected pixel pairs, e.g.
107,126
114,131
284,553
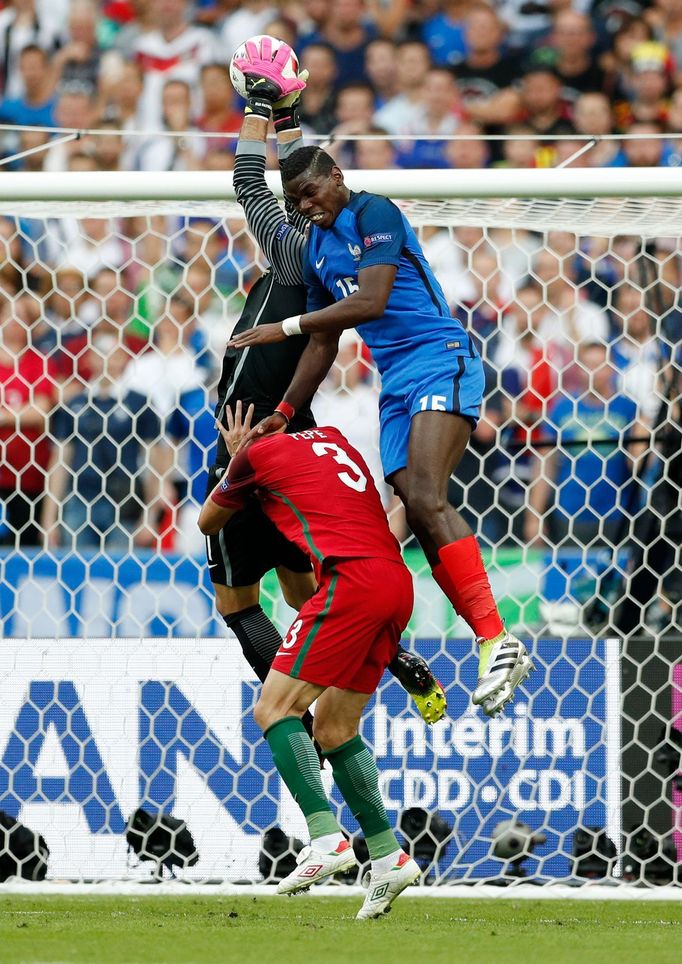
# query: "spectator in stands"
317,100
617,58
483,303
642,151
440,113
120,92
354,112
390,19
569,317
528,23
27,395
174,50
405,108
522,149
170,367
570,154
348,34
175,153
131,31
638,353
210,326
648,90
63,291
377,153
381,68
665,20
528,381
92,243
218,114
248,19
470,153
314,15
74,110
542,105
36,106
110,309
109,148
28,140
444,33
109,468
21,27
222,250
63,339
78,61
354,109
486,77
592,114
283,28
580,492
573,39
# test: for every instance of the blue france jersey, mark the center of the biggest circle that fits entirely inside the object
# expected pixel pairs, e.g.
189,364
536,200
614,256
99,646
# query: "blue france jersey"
372,230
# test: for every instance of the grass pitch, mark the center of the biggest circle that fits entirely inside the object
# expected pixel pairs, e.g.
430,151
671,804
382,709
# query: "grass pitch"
271,930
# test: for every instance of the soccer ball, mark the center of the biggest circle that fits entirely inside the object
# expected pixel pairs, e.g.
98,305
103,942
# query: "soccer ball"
237,77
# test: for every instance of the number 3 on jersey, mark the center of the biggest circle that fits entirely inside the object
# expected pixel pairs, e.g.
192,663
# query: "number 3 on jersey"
292,635
358,480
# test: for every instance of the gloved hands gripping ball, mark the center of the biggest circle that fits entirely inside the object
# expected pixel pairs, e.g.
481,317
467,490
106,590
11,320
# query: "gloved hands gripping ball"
264,71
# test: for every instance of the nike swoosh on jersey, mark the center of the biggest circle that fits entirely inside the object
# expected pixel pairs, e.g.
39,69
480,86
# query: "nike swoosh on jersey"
318,264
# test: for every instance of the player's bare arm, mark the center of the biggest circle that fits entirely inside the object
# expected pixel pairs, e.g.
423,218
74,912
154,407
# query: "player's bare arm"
366,304
213,517
313,365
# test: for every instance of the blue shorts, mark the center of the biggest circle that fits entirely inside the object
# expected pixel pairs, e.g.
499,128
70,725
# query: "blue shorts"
435,381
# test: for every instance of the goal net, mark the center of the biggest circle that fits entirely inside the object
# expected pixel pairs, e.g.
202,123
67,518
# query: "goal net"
122,696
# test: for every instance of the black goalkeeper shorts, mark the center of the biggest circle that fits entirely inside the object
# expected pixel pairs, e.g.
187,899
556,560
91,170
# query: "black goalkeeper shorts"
249,546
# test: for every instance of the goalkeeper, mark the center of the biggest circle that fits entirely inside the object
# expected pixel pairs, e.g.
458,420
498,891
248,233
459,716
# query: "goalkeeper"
249,545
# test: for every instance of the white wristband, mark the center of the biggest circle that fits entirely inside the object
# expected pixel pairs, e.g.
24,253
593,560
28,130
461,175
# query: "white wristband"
292,326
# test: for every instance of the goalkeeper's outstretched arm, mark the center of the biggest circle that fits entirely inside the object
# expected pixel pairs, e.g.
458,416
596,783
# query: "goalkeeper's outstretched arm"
282,243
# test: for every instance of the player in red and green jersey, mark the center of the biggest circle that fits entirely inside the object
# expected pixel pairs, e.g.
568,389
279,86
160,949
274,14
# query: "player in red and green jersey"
316,488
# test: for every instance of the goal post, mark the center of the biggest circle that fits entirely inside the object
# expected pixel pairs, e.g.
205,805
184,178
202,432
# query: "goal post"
120,688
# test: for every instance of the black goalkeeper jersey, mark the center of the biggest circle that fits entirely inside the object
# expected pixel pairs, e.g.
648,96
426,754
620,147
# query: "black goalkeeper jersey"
261,374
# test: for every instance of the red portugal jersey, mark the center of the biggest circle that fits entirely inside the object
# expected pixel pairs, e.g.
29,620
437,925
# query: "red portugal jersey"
317,490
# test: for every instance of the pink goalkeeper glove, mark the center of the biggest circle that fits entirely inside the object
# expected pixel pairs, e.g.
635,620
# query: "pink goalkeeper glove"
260,64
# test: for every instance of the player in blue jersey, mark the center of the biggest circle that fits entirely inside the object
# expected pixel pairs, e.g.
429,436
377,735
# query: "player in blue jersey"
365,269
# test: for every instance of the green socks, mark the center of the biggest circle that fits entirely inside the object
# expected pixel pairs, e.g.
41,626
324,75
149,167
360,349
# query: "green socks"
356,776
299,767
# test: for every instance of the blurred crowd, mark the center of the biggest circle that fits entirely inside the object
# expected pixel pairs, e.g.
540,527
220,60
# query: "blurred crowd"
402,68
112,330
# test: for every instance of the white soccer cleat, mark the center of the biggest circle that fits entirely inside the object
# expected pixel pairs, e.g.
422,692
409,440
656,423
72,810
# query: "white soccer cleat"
508,666
382,889
313,866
